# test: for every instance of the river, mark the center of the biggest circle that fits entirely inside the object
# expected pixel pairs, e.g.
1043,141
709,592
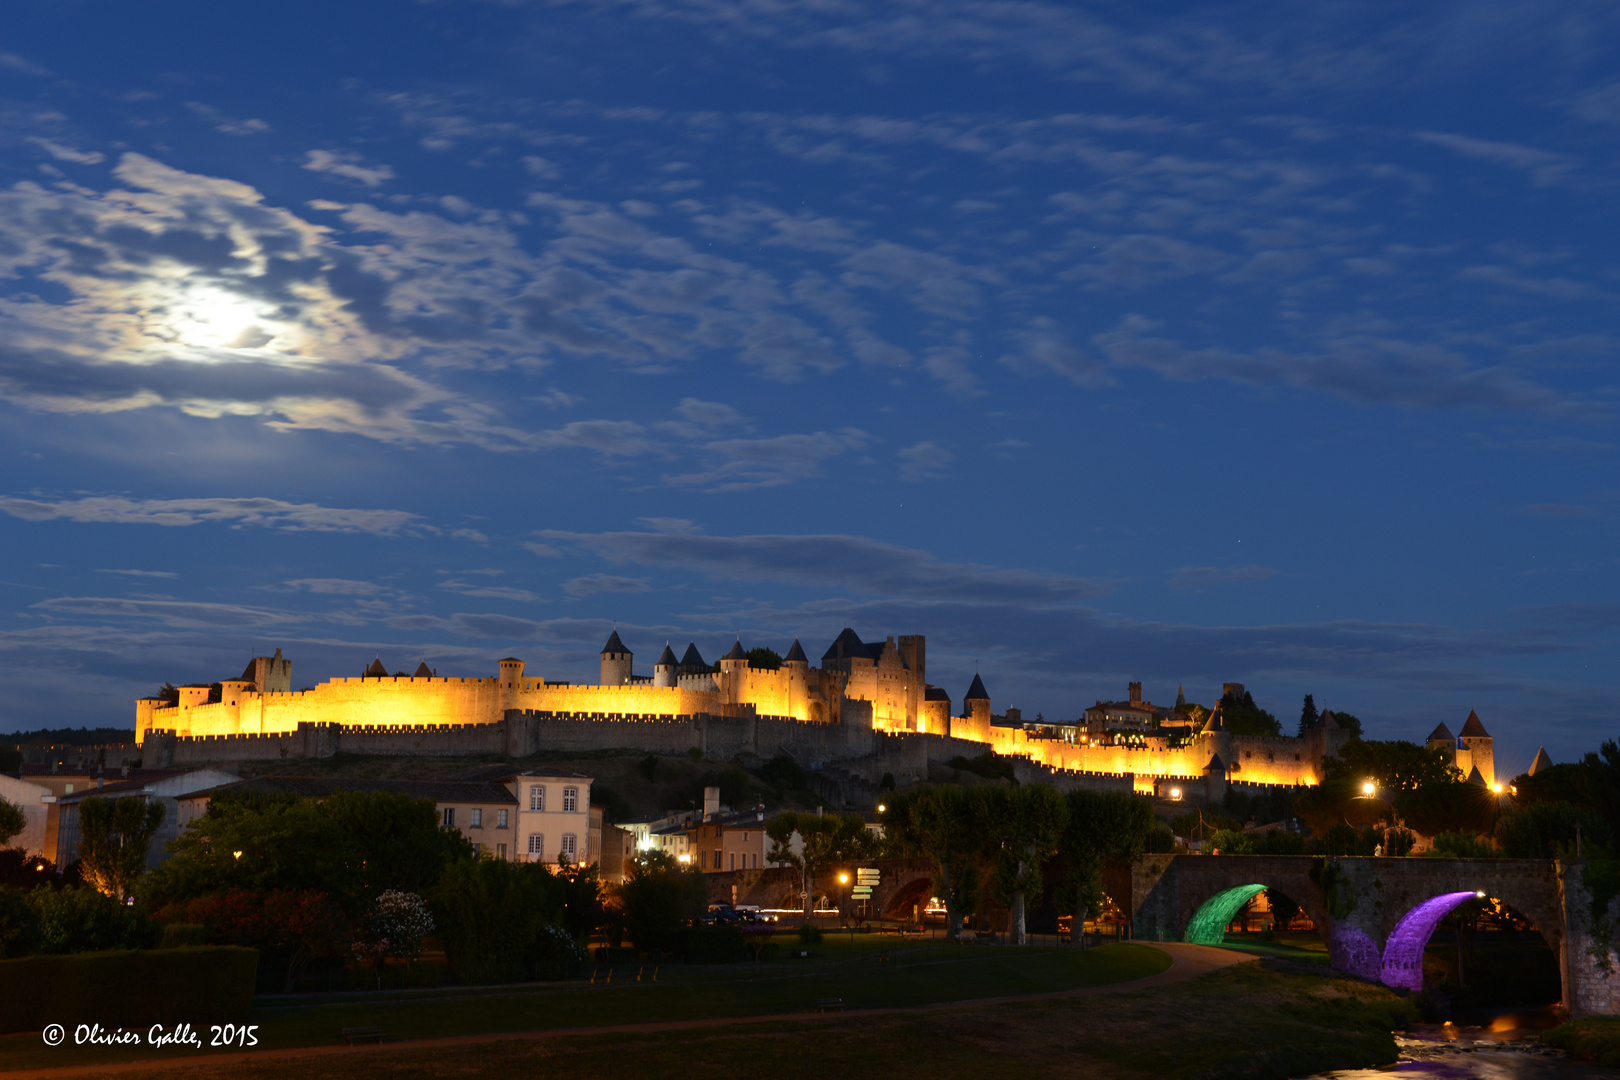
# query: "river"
1497,1046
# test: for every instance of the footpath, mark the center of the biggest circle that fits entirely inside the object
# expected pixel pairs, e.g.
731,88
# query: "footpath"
1187,962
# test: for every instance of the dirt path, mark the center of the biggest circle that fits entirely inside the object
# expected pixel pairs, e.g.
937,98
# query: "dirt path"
1187,962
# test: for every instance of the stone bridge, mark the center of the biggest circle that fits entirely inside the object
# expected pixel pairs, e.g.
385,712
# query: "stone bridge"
1376,914
902,884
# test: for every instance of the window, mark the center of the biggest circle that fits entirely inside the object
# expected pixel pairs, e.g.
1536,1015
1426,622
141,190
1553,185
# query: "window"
477,817
537,844
537,797
717,858
478,851
734,860
449,817
567,851
500,819
500,850
570,800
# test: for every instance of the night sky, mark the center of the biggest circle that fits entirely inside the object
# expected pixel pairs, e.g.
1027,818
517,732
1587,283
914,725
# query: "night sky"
1271,343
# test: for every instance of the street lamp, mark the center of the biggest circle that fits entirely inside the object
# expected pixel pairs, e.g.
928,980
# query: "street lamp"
843,891
1369,789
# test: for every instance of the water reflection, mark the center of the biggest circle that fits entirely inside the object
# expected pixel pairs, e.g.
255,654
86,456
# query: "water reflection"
1498,1046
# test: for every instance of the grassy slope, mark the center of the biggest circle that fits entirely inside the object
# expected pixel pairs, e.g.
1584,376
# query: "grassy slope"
1592,1039
867,973
1271,1019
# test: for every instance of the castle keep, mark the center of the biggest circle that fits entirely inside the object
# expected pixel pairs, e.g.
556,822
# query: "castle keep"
866,708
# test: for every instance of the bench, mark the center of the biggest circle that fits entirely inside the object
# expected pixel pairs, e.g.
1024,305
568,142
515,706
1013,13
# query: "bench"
827,1005
357,1035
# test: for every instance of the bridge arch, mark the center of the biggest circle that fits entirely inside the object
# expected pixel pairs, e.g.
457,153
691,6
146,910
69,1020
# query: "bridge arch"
1210,898
1402,966
1209,922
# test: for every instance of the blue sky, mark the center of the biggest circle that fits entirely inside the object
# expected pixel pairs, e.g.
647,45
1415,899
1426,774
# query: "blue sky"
1256,342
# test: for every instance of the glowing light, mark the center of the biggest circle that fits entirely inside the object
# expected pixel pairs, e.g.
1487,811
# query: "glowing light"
1369,788
843,879
236,854
213,318
1175,793
1497,788
882,808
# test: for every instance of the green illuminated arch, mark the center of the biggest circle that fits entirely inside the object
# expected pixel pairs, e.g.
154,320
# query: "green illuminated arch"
1208,924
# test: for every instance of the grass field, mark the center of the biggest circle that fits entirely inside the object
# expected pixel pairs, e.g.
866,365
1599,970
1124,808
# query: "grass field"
1263,1020
868,972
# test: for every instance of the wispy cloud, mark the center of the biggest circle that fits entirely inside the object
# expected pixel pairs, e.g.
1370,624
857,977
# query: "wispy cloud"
264,513
1197,577
864,566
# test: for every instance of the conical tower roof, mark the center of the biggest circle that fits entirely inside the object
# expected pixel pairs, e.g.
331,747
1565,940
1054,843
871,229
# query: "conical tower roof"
1181,697
1215,764
1441,734
377,668
665,658
614,645
1475,777
796,653
976,692
693,660
736,652
1542,762
423,671
846,644
1473,729
1214,723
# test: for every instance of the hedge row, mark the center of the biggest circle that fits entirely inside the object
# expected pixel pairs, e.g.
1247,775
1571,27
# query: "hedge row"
129,988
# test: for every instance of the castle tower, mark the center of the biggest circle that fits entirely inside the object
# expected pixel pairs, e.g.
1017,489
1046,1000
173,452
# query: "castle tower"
270,674
664,667
1542,762
615,662
511,681
1478,742
914,650
733,669
1135,690
796,668
1181,698
975,720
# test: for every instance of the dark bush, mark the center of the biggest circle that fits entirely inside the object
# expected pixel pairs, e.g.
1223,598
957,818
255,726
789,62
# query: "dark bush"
491,914
133,988
658,898
709,945
809,935
76,920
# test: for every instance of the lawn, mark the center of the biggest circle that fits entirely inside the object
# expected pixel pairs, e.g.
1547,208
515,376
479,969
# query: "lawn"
868,972
1264,1020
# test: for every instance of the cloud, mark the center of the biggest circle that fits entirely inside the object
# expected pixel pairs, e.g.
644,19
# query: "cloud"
493,592
181,613
142,573
924,461
227,125
747,464
863,566
1362,367
1196,577
62,152
1544,167
600,583
337,587
346,163
264,513
10,61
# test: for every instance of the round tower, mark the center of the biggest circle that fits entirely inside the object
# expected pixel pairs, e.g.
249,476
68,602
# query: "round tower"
615,662
664,667
797,667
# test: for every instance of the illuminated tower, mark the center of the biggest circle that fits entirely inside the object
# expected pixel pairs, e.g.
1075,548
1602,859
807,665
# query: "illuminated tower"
615,662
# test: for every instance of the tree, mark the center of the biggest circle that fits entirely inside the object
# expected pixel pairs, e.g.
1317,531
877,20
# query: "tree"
12,821
1243,717
941,824
1393,765
1022,828
1348,722
491,915
1307,715
114,838
289,927
1102,827
1547,830
763,659
658,897
824,838
351,845
395,926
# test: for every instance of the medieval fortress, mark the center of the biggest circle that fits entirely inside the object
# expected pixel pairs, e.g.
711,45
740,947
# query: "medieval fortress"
866,711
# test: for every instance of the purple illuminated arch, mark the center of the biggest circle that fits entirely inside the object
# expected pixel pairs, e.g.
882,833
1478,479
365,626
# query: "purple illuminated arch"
1403,953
